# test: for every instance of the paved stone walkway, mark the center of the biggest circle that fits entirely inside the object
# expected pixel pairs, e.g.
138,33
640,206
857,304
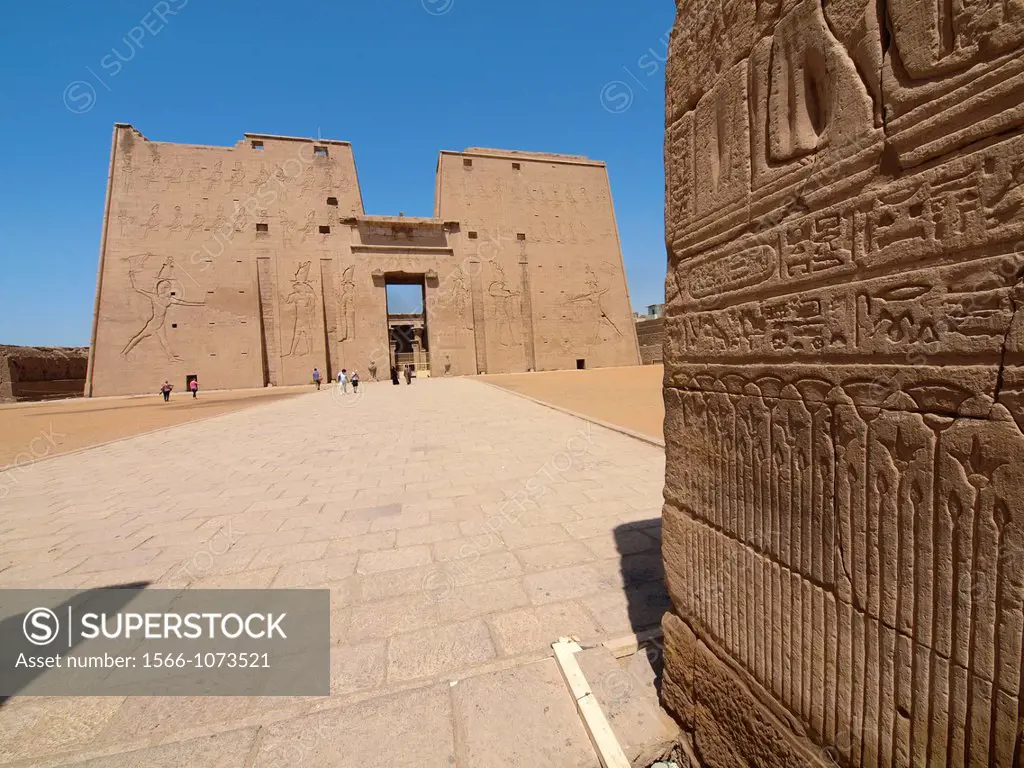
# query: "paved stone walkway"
459,528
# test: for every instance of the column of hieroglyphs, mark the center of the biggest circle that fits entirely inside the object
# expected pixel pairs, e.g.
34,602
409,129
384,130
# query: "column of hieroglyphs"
845,382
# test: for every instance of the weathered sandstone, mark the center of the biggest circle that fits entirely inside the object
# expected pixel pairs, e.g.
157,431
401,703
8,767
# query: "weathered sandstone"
843,536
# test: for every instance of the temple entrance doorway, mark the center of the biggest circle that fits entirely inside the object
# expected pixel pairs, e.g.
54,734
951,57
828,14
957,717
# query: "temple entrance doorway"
408,339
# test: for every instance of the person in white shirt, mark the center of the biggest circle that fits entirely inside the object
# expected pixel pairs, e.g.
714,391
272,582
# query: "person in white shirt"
343,380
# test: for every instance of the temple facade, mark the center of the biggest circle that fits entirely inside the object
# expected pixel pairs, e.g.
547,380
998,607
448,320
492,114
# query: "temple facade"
249,266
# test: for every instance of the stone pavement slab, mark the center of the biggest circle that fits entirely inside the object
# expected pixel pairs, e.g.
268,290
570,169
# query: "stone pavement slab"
460,529
521,717
630,706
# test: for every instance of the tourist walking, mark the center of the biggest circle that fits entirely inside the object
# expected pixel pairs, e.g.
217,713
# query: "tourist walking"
394,375
343,380
194,386
408,374
166,390
355,382
316,377
373,370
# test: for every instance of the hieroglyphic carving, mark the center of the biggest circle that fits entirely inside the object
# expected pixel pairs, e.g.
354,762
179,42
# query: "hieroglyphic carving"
309,225
301,303
220,221
237,177
281,184
944,36
965,204
308,180
591,304
458,289
505,302
240,218
287,231
196,225
844,520
347,304
162,295
721,143
174,175
152,223
176,224
875,539
259,180
125,221
153,174
720,274
947,60
195,171
965,309
216,175
127,173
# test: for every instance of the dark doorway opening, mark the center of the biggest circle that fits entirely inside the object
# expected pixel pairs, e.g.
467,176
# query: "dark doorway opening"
407,323
189,379
581,364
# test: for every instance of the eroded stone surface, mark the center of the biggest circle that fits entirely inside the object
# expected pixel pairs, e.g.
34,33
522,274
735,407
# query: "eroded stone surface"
844,456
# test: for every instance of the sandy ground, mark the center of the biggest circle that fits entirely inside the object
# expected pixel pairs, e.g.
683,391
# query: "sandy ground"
629,397
35,430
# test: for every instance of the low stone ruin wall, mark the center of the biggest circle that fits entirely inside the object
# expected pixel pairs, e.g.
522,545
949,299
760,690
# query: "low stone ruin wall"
651,336
42,373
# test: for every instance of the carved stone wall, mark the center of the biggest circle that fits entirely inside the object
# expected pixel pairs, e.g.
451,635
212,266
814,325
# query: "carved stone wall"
844,396
542,229
253,264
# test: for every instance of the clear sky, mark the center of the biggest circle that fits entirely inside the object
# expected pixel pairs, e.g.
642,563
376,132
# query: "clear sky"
400,79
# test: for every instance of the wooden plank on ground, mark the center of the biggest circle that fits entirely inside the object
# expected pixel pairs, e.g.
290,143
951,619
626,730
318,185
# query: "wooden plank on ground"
609,751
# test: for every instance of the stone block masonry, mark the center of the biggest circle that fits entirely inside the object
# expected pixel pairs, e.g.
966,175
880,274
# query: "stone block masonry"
844,517
251,265
41,373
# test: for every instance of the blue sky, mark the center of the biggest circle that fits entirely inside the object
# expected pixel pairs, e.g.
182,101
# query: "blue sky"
400,79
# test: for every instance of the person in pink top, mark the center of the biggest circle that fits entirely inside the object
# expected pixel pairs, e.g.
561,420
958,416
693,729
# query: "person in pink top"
194,386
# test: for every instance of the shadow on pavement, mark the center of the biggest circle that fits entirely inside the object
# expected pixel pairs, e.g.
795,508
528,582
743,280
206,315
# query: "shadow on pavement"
110,599
643,579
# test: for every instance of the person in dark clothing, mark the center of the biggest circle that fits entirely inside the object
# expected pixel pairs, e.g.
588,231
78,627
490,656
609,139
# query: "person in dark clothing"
166,390
408,374
394,375
355,382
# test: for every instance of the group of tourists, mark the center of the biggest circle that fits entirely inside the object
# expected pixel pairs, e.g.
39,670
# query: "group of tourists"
408,372
193,387
344,379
